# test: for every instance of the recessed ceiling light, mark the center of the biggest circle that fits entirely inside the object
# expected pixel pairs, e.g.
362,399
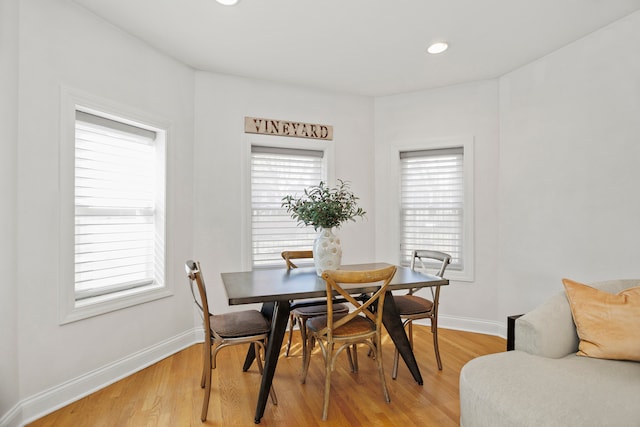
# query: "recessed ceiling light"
438,47
227,2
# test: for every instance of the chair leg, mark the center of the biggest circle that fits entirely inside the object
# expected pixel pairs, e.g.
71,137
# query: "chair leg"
207,386
292,322
396,354
206,353
383,382
410,334
355,357
434,331
306,359
256,347
350,357
394,372
327,381
302,326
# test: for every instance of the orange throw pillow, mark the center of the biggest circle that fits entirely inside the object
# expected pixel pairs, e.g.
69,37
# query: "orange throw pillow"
608,325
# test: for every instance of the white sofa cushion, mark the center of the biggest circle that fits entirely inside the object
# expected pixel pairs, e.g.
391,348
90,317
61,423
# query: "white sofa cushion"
519,389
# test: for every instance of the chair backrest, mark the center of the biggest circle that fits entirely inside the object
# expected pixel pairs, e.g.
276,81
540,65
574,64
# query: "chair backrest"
423,257
334,280
194,274
289,255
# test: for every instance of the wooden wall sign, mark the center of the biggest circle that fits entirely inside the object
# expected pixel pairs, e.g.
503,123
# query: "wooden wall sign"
286,128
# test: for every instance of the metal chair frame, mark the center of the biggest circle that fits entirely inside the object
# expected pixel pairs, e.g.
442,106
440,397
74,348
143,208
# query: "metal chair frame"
431,314
214,341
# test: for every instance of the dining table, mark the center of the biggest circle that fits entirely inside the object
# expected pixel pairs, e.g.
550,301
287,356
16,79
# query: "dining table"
279,290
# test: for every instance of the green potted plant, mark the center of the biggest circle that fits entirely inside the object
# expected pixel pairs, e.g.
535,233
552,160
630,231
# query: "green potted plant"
325,208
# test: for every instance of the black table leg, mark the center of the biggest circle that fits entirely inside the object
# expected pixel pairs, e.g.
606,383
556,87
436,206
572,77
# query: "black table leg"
278,329
267,311
393,324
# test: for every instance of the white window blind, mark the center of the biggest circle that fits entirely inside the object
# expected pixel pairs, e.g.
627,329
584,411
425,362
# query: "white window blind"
275,173
119,205
432,203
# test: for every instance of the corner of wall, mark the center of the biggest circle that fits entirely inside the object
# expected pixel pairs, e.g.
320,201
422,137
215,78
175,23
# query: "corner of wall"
9,67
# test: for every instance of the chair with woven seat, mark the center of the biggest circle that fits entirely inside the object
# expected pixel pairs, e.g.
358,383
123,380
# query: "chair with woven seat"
412,307
300,315
224,330
362,325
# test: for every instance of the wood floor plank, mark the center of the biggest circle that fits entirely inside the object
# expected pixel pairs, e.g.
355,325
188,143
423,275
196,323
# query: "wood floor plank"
169,394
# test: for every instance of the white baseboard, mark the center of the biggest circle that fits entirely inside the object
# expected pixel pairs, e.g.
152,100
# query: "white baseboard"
12,418
468,324
50,400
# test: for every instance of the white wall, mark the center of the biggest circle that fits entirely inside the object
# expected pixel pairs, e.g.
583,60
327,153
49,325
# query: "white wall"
9,395
63,45
222,102
469,111
569,167
557,151
556,155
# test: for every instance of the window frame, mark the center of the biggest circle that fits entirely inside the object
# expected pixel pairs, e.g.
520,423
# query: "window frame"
467,273
70,309
276,142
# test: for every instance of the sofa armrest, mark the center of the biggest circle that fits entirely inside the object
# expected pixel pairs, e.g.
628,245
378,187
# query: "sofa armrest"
548,330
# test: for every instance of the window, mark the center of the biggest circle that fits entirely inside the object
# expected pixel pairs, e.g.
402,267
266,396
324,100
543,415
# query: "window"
119,205
433,204
112,207
276,172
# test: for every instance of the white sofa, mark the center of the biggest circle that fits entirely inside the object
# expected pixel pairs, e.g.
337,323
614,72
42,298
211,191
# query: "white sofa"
544,383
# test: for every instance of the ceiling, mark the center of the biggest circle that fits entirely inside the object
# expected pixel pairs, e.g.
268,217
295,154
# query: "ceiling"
366,47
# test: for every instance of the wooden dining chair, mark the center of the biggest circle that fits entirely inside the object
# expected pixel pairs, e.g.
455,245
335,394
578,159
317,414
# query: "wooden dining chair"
412,307
224,330
300,315
362,325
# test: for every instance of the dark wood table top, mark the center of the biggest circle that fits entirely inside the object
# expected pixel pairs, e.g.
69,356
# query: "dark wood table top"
280,284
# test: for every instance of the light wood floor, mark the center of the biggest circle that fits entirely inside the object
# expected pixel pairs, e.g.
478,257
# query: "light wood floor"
169,394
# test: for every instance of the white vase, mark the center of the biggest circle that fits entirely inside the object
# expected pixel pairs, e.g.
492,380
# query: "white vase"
327,251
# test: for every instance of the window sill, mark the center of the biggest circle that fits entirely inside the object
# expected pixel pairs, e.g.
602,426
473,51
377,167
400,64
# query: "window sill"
95,306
